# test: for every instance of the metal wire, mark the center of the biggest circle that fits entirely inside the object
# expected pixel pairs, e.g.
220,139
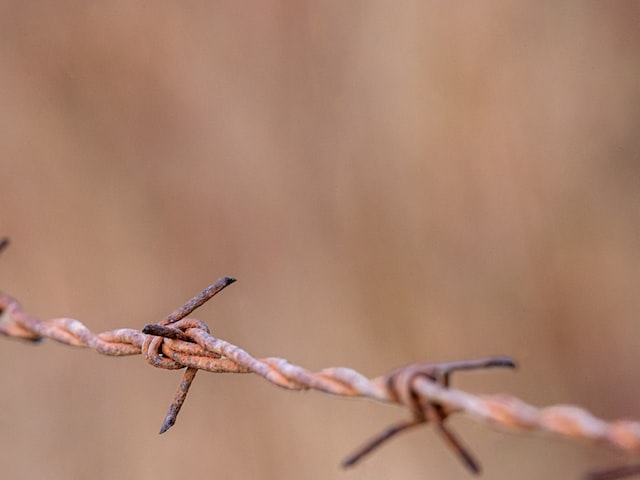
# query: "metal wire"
178,342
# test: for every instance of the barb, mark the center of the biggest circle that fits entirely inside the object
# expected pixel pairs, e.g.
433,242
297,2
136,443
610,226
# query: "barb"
424,389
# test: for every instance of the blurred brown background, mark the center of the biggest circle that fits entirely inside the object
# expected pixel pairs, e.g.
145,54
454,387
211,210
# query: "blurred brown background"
390,182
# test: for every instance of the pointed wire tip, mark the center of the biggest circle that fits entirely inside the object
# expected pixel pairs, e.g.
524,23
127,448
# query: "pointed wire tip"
503,362
472,465
349,462
167,424
149,329
4,243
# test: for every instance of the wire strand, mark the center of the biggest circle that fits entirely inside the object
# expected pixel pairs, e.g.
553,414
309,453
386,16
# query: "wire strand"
178,342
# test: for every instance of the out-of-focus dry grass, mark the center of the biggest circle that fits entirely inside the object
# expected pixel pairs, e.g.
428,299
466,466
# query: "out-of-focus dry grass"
389,182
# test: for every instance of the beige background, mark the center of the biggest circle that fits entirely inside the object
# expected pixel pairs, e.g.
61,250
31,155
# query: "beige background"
389,181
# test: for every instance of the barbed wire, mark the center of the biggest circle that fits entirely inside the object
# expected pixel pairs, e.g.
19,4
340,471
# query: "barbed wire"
424,389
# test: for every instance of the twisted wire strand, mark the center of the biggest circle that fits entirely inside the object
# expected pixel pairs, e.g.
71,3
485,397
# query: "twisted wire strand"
178,342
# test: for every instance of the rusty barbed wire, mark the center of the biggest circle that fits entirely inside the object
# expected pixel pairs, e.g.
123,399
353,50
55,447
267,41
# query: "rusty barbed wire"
424,389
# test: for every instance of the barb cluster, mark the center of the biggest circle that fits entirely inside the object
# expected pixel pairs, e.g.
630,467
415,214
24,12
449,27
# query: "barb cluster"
424,389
